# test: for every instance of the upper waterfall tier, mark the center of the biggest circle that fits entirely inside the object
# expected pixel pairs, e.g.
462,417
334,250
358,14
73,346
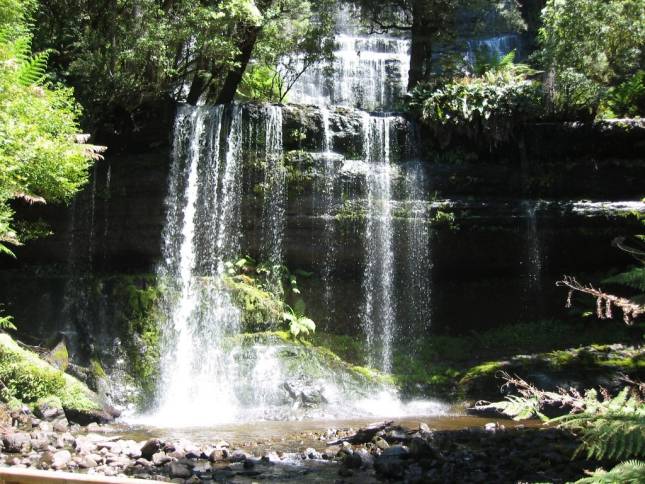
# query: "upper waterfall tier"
368,72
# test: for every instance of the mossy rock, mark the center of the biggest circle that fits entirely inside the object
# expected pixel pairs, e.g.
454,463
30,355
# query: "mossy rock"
30,379
59,356
300,361
580,368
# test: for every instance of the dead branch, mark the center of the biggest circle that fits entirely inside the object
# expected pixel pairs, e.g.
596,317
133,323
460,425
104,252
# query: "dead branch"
604,301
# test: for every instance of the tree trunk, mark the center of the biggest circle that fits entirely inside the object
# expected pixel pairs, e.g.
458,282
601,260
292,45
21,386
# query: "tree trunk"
234,76
421,46
198,83
247,43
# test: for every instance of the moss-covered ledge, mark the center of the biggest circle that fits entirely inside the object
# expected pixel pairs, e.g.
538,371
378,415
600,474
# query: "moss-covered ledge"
30,380
584,367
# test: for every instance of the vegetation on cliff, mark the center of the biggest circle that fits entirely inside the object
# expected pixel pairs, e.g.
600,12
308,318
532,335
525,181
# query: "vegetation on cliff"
44,158
28,379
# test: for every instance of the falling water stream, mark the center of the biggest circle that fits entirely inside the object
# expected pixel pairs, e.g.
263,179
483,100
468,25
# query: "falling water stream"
208,378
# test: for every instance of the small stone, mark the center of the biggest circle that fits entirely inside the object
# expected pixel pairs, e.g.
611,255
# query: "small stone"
112,447
177,469
61,459
367,460
238,456
177,454
160,458
311,453
39,441
143,462
87,462
420,449
60,424
396,451
217,455
381,443
423,427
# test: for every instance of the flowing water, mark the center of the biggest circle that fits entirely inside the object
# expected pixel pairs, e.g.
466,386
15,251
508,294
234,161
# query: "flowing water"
379,312
209,376
496,47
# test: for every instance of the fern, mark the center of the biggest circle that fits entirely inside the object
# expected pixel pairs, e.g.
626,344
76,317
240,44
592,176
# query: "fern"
632,471
33,70
634,278
30,69
610,429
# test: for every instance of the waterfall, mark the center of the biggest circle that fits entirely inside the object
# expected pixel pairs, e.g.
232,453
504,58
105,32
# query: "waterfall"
274,190
378,313
196,378
368,72
419,256
497,46
533,259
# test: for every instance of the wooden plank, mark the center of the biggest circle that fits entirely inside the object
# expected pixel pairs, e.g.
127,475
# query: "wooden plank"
12,475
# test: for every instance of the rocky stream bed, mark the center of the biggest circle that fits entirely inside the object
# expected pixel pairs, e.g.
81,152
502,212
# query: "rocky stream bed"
409,451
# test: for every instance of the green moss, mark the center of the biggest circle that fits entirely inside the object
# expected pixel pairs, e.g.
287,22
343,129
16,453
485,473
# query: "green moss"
59,356
349,348
97,369
300,172
485,369
261,310
140,318
351,211
29,379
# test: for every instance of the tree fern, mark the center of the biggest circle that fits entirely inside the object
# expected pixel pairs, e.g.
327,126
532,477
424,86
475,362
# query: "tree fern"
634,278
31,69
631,471
610,429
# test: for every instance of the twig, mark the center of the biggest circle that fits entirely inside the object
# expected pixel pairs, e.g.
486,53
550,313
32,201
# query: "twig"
604,301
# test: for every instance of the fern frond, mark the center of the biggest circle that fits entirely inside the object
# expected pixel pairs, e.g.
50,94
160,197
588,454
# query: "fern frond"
632,471
634,278
612,429
33,70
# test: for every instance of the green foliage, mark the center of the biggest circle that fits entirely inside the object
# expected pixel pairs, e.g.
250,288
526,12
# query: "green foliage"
629,472
138,315
602,41
6,322
27,378
146,49
612,428
575,96
627,98
588,46
262,290
298,323
42,156
633,278
259,84
490,104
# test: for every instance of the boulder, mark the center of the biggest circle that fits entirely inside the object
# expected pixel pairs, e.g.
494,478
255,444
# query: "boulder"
179,470
16,442
150,448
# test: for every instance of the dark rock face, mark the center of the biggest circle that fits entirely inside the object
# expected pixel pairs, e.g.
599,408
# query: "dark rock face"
115,225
